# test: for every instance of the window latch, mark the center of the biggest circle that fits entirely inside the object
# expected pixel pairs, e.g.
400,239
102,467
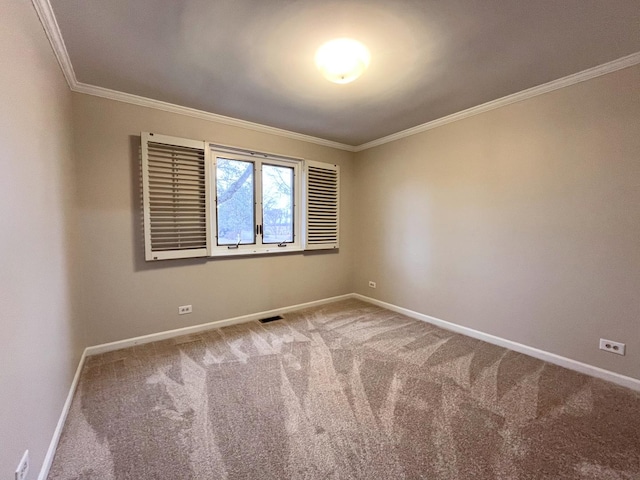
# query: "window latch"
230,247
282,244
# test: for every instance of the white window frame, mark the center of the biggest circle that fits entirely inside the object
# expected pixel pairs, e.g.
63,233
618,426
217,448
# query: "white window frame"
258,160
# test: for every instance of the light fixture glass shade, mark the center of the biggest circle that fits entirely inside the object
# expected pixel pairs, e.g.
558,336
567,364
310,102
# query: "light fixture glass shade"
342,60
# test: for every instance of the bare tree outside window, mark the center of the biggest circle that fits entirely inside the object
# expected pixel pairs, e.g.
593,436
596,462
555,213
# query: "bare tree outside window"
277,204
235,187
236,222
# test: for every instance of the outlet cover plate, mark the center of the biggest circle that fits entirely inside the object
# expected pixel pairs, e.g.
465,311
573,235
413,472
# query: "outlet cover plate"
185,309
611,346
372,284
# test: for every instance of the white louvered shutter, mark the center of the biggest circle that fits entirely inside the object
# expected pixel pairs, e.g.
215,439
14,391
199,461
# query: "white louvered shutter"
174,188
322,188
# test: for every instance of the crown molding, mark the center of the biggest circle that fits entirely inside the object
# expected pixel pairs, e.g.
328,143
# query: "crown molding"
50,24
619,64
51,28
48,20
201,114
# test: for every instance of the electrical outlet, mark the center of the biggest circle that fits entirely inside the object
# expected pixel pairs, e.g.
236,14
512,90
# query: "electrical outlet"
372,284
23,466
613,347
185,309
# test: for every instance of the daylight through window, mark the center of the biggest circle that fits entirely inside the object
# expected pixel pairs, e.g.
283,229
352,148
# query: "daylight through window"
256,203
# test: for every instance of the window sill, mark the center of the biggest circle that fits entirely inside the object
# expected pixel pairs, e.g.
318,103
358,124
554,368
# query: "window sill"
255,251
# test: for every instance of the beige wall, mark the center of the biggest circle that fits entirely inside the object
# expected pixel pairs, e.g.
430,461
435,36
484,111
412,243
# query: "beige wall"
122,295
523,222
39,344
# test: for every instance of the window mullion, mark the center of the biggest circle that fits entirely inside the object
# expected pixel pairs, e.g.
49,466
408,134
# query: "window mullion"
258,202
213,202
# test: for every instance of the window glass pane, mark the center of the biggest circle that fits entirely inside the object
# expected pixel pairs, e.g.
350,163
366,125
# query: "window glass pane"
235,190
277,204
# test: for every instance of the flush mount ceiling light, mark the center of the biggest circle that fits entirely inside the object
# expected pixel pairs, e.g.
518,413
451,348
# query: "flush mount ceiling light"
342,60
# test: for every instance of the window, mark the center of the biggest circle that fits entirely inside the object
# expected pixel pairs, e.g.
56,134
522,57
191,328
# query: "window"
257,203
235,200
203,200
278,203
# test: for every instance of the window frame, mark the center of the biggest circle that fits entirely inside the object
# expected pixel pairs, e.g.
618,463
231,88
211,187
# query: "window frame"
258,160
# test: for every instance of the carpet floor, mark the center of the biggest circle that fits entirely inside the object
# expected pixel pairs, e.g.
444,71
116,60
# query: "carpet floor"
342,391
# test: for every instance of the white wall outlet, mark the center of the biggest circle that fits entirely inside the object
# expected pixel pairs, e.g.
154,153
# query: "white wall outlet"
185,309
372,284
23,467
613,347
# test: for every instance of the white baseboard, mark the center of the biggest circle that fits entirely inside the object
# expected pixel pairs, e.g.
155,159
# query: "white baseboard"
154,337
51,451
108,347
587,369
559,360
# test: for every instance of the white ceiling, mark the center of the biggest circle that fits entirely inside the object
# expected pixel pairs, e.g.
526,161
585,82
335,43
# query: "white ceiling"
253,59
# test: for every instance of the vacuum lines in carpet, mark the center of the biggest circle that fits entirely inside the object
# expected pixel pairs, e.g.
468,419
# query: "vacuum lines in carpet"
342,391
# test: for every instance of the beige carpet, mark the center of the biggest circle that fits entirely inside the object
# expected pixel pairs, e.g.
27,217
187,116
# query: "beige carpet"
349,391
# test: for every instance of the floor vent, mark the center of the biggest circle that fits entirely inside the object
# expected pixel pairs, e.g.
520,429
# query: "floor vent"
270,319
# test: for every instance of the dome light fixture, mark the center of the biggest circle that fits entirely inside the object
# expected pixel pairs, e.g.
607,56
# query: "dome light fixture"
342,60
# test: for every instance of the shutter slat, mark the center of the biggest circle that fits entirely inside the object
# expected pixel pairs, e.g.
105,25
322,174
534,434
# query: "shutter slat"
160,193
176,161
160,228
177,189
185,202
173,149
170,169
188,163
177,211
193,165
171,176
162,181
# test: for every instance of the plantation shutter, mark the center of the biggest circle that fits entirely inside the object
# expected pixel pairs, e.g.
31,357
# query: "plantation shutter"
322,186
174,189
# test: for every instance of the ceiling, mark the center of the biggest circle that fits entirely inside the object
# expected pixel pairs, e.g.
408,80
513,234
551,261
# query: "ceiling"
253,60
